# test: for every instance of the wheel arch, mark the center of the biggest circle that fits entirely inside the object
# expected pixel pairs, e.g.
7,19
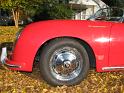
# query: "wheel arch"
87,46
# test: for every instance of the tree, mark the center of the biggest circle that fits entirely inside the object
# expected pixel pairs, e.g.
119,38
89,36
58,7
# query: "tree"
42,9
115,3
119,3
54,9
20,7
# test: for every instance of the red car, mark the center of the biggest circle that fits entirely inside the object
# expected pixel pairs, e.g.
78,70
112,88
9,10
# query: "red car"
66,49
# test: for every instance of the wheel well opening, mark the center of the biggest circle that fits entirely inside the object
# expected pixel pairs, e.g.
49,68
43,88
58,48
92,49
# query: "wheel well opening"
90,52
88,48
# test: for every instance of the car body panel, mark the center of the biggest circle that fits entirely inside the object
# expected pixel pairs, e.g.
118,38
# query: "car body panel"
95,33
116,54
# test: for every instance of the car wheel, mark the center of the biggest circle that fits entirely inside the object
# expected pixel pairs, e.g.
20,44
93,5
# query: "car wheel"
64,61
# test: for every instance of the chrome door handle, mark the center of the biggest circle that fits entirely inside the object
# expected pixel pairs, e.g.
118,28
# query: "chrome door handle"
96,26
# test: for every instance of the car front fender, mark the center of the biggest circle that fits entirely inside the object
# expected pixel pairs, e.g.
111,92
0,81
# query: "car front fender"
35,35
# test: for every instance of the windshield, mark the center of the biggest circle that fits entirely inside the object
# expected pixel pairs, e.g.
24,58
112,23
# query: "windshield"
108,14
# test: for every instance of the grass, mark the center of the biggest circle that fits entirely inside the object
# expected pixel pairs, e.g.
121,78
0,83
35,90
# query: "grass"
24,82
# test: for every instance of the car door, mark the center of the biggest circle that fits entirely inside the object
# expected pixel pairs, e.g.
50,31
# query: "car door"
116,53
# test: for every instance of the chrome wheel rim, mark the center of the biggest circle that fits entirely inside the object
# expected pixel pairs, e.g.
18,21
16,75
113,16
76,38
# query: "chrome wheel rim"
65,63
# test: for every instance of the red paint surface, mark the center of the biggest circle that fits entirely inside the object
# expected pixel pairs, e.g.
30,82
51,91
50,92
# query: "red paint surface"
116,56
108,52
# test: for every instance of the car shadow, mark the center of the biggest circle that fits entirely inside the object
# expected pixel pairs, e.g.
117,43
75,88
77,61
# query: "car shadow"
35,74
9,45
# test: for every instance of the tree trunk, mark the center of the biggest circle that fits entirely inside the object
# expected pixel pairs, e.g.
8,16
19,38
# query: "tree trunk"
16,17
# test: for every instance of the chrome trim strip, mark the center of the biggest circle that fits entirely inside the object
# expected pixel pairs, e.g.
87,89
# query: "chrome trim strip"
113,68
96,26
9,65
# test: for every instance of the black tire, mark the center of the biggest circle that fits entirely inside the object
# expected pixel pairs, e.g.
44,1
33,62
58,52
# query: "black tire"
66,48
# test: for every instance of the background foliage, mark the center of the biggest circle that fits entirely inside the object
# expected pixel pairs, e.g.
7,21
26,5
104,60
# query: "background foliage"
36,9
53,9
117,3
20,8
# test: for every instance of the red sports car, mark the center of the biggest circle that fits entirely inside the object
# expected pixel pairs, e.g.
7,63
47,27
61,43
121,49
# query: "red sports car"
66,49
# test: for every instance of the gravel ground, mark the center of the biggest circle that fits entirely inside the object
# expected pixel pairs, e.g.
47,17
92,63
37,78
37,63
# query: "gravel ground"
23,82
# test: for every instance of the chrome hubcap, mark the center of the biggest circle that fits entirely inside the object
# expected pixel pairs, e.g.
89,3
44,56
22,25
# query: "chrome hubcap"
65,63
